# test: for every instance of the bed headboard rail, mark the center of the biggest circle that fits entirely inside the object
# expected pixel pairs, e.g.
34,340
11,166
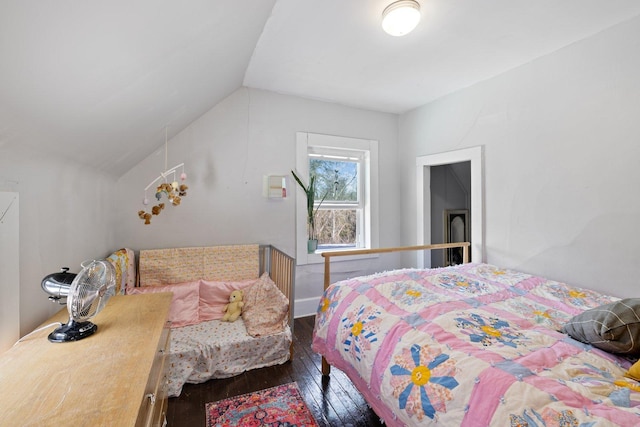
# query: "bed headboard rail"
327,255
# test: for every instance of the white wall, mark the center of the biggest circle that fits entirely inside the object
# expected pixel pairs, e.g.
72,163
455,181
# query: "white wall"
226,153
66,212
561,160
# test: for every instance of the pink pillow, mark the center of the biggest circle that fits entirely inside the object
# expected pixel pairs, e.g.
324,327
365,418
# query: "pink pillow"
215,295
184,305
266,308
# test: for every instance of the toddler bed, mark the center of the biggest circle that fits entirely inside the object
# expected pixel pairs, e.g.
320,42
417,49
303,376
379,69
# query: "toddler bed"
202,346
476,345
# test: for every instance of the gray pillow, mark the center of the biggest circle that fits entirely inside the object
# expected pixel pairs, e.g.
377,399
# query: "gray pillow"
613,327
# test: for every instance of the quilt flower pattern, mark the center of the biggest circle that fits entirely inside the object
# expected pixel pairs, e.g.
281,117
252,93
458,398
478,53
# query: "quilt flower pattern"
411,295
327,305
489,331
463,285
576,297
503,276
601,382
422,380
361,328
547,418
536,313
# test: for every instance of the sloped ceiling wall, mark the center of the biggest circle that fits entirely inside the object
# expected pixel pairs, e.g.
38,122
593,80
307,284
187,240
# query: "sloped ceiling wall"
98,82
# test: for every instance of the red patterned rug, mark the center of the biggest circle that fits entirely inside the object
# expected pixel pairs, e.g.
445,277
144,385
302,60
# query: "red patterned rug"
272,407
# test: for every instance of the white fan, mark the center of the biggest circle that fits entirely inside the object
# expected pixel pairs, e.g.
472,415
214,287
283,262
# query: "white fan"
88,294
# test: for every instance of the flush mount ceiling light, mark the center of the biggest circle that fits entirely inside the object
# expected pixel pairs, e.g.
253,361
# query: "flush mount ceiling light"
401,17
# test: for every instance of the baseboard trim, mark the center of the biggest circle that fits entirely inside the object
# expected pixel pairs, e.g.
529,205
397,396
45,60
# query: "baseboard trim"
305,307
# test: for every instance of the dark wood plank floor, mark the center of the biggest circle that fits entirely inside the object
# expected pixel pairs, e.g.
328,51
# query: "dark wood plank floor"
334,401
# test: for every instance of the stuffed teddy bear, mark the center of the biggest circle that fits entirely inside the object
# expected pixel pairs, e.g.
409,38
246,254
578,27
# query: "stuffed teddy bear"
233,310
146,216
157,208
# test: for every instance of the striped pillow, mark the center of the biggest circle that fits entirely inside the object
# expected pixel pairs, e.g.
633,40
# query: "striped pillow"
613,327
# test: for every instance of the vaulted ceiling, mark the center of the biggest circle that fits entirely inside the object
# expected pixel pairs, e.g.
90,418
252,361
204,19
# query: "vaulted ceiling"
98,81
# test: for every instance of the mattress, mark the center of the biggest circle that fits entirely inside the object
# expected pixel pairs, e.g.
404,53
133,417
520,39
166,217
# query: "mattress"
216,349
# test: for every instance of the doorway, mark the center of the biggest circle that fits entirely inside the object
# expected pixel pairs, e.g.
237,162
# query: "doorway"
450,204
425,217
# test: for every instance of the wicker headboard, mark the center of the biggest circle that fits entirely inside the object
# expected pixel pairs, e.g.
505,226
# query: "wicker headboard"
177,265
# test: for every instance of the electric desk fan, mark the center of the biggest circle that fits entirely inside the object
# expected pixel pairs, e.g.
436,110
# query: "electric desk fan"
88,294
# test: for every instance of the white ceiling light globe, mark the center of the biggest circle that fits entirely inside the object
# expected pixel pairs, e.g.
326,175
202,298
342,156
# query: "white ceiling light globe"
401,17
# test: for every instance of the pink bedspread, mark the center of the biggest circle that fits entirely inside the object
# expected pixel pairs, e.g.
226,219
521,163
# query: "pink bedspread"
472,345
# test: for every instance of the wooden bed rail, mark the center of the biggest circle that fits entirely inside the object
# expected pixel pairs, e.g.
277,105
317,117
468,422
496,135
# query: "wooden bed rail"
327,255
282,270
326,368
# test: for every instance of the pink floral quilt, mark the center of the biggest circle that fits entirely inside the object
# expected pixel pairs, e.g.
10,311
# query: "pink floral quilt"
472,345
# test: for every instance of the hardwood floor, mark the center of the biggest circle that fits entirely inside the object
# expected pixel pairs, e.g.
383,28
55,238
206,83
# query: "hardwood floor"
334,401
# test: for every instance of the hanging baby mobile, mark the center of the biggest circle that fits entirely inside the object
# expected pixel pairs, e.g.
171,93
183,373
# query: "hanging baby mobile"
173,191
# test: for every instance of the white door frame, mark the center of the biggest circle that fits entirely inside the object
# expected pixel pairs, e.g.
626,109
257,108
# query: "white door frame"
9,270
423,186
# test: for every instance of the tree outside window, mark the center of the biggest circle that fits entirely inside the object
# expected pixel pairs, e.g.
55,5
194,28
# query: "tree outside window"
337,220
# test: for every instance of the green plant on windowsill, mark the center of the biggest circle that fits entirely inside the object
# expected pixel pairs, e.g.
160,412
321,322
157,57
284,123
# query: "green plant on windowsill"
310,191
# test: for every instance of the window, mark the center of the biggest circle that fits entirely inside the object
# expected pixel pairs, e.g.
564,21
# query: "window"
346,193
339,219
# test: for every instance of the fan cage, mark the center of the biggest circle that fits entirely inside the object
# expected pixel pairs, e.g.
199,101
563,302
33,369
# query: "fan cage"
90,290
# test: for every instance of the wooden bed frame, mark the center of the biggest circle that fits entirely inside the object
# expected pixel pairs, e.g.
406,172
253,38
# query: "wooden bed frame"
326,368
282,270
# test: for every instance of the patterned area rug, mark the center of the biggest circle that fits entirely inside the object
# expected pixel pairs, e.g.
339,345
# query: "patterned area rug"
273,407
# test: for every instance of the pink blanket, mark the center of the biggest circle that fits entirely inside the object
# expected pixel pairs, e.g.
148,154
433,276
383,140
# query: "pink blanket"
472,345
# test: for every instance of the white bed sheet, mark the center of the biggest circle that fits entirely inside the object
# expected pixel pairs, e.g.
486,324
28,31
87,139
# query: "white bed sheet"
216,349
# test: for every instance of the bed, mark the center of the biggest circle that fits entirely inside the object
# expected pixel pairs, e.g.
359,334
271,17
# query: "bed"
203,347
477,345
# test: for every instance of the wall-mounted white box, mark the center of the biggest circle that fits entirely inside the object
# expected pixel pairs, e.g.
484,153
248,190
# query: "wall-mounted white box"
275,186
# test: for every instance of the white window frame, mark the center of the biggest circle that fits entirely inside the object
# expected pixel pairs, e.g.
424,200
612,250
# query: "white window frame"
369,181
361,159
